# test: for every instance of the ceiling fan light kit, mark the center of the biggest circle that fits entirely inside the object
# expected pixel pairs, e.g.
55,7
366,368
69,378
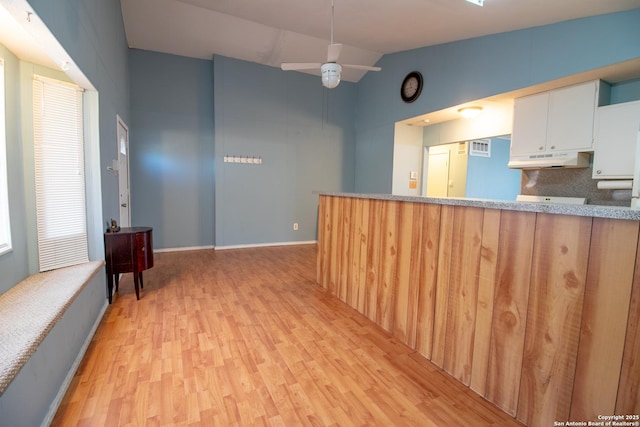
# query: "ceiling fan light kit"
330,70
330,74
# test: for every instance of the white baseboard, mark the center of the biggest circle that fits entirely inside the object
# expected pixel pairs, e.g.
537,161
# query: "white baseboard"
188,248
222,248
262,245
53,408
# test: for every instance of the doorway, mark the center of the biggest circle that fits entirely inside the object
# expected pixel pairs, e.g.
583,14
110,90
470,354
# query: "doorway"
447,170
438,174
123,172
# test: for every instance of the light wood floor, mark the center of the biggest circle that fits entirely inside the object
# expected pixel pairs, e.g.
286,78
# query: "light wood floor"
245,337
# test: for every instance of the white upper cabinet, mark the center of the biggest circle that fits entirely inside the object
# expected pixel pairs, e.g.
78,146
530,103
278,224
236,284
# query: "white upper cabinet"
617,128
559,120
529,134
571,117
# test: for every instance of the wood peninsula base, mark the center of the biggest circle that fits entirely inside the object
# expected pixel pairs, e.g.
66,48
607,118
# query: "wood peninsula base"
535,309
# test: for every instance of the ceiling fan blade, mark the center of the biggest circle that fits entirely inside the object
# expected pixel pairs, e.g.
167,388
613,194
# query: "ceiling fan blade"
334,52
361,67
286,66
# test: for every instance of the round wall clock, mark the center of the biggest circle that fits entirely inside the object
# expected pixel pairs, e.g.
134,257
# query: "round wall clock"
411,87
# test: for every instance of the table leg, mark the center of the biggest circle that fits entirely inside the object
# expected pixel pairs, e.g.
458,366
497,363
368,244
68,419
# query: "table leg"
135,282
109,285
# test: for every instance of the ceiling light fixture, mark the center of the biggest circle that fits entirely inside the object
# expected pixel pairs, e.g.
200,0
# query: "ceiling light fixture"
470,112
477,2
330,74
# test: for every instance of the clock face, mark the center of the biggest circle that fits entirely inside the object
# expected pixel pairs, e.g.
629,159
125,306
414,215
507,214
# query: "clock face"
411,87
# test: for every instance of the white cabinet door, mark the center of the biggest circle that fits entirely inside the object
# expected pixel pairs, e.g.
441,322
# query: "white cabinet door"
529,124
617,128
561,120
571,118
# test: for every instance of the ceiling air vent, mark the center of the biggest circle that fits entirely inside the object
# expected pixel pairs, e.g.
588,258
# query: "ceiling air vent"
480,148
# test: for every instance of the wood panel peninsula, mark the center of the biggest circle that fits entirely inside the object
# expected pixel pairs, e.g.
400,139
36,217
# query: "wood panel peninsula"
535,307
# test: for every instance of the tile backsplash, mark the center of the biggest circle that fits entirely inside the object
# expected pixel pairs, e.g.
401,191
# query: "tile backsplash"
570,182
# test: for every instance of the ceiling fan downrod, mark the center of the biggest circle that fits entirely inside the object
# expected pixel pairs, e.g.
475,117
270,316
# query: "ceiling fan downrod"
331,21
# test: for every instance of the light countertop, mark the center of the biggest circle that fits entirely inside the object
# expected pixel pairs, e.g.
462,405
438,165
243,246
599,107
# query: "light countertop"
596,211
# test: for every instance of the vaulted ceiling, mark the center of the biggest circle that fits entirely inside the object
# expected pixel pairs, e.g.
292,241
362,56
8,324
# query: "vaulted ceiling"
274,31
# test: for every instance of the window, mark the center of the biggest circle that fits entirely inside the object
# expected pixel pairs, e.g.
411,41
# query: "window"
59,174
5,226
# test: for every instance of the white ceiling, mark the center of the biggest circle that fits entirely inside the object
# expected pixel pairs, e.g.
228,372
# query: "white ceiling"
274,31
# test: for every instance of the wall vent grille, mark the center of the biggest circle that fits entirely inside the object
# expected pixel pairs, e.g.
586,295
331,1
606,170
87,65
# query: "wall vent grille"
480,148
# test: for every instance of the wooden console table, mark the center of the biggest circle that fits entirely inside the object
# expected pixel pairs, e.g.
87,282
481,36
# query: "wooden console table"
129,250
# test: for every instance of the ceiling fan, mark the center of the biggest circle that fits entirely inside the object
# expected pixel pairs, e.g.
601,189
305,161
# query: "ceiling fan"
330,70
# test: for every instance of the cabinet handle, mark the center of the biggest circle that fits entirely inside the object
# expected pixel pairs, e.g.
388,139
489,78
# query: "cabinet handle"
540,148
553,147
598,172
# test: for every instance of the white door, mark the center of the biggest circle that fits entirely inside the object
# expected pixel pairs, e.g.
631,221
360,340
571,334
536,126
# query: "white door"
438,174
123,173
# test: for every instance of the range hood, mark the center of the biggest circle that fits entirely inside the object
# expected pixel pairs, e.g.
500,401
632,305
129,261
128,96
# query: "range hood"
550,160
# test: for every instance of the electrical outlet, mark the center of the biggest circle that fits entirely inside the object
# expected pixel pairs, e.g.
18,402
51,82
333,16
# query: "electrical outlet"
295,226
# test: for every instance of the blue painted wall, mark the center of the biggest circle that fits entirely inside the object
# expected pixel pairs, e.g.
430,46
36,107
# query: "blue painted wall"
625,92
14,266
478,68
492,179
313,139
302,132
305,136
171,148
92,32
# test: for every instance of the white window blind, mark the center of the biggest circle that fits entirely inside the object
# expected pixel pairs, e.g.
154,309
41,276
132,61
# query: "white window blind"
5,225
59,174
